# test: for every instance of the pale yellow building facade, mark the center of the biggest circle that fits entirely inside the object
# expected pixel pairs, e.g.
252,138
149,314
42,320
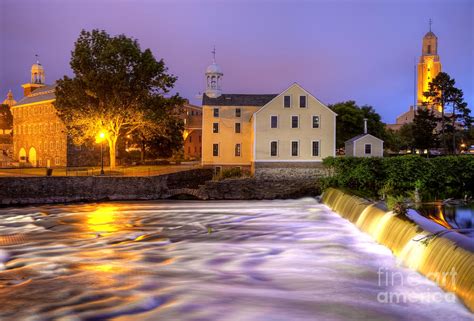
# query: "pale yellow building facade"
364,145
275,134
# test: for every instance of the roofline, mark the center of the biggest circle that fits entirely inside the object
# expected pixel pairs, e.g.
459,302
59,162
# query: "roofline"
307,92
35,103
349,140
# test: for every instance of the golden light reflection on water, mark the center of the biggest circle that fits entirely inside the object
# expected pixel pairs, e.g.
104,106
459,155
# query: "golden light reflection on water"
105,219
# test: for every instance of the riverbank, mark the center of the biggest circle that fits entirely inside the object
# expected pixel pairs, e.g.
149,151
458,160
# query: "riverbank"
191,184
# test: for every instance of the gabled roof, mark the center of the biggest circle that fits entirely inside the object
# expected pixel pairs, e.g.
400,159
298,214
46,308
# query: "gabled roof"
38,95
353,139
238,100
307,92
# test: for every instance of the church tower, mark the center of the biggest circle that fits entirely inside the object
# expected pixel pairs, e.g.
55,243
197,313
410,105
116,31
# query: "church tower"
213,78
429,65
37,79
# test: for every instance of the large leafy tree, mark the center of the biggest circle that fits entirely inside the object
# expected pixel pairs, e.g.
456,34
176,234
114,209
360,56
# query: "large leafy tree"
350,121
116,90
424,129
441,95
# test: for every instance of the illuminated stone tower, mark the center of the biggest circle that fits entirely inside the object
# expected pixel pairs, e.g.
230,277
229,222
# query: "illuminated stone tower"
429,65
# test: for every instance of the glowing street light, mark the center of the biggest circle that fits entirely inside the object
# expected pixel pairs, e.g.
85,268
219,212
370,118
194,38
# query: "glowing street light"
100,139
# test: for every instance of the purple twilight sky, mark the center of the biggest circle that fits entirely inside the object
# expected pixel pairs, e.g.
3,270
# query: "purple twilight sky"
338,50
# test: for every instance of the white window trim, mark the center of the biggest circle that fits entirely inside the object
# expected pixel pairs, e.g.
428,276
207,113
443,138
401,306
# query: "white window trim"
365,153
311,125
218,149
291,121
240,149
299,104
278,121
270,148
291,101
291,148
319,148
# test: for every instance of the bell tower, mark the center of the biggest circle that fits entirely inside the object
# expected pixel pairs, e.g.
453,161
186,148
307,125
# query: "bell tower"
429,65
213,78
37,78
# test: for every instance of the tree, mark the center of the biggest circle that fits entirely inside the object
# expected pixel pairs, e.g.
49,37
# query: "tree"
115,90
350,121
460,115
406,136
6,117
441,93
423,129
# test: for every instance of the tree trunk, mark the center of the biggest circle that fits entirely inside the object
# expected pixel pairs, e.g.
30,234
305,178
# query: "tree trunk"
142,152
112,146
454,131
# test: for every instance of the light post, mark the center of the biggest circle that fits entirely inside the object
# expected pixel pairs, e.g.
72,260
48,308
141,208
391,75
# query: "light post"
101,138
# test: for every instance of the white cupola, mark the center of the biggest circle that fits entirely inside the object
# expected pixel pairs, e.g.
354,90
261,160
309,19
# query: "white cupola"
213,78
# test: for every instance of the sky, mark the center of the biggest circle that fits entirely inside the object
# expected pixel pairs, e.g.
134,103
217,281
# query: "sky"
362,50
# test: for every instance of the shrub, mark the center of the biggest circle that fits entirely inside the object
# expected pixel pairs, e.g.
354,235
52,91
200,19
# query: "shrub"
229,173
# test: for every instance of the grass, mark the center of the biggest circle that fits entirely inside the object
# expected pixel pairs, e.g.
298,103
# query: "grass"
142,170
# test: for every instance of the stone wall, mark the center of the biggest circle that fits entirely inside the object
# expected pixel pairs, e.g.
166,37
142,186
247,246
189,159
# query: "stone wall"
31,190
288,170
195,184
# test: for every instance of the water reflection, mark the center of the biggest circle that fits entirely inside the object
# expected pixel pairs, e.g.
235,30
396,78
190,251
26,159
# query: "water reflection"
263,260
459,217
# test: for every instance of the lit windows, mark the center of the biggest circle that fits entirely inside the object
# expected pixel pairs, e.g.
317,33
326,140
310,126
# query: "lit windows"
237,150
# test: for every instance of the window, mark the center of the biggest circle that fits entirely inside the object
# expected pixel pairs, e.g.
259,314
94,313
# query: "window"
215,149
215,128
237,128
200,138
368,149
216,112
315,121
294,148
274,122
190,138
274,149
302,101
429,49
56,161
315,148
238,112
294,121
287,101
237,149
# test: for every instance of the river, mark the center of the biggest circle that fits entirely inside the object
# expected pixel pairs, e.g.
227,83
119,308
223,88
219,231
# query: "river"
190,260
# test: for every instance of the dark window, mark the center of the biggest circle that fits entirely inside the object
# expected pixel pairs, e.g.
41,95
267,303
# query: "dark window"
238,112
287,101
315,121
190,138
274,122
368,148
294,148
315,148
216,112
237,149
274,149
303,101
215,128
294,121
237,128
429,49
200,139
215,149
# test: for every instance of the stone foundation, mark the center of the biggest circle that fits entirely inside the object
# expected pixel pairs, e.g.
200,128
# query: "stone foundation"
288,170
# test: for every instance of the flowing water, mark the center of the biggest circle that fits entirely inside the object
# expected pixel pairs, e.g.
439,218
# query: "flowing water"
186,260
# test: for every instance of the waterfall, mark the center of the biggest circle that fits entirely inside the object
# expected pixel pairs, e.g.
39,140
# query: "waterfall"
439,259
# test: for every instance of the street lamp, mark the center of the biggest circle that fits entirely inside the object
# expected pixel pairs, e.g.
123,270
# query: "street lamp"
101,138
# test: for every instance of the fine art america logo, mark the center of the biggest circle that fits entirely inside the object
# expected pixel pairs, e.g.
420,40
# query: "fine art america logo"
401,287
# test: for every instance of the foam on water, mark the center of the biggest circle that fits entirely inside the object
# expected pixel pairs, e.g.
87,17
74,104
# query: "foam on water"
186,260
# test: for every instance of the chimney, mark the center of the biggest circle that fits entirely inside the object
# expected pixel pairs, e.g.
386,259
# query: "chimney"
365,125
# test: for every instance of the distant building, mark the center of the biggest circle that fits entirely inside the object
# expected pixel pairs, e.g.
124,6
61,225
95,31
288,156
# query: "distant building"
364,145
192,134
268,134
428,67
39,135
6,128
